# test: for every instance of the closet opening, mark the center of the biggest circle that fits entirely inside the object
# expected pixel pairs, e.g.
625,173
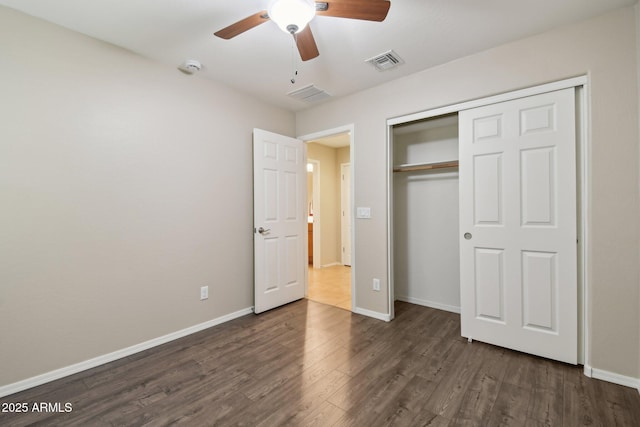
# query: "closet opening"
467,239
425,212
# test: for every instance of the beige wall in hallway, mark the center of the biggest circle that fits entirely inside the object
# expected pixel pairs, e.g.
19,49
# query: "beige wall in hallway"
330,159
343,155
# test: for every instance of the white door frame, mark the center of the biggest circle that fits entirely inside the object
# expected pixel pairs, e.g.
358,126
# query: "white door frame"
317,218
345,189
323,134
583,163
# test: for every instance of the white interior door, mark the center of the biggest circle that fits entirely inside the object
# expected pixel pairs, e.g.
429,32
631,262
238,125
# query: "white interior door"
280,219
345,211
518,268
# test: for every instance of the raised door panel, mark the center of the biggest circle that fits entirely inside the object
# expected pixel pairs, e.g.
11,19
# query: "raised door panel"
290,198
538,187
293,254
487,128
270,190
488,190
540,291
271,280
541,118
489,284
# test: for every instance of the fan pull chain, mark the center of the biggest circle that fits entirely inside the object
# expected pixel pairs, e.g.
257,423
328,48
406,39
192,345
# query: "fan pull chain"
294,71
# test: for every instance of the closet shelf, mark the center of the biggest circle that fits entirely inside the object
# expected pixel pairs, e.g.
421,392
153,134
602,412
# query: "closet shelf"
425,166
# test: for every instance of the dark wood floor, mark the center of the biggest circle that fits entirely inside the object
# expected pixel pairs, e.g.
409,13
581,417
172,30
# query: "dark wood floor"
311,364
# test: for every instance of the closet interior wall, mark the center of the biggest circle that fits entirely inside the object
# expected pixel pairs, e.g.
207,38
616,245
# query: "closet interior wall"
426,258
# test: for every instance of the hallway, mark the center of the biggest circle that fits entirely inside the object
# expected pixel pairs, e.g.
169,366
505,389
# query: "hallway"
330,285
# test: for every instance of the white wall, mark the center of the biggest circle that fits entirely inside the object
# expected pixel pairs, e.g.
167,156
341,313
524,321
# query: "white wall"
426,244
605,50
125,185
426,216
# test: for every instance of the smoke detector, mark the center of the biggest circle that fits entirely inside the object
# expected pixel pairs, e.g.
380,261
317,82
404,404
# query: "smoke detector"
190,66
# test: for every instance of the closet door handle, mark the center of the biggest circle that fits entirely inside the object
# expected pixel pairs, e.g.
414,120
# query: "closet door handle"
264,230
468,236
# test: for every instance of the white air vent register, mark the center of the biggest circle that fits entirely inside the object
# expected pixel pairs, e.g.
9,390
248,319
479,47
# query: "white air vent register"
385,61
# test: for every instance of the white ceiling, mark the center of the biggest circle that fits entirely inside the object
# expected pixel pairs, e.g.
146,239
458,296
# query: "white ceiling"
424,33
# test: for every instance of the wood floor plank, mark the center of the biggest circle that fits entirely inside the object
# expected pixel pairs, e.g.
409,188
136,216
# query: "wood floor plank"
312,364
378,370
300,404
510,408
322,361
206,412
631,398
546,407
427,419
447,399
325,415
612,401
372,356
482,392
180,400
409,403
579,404
380,402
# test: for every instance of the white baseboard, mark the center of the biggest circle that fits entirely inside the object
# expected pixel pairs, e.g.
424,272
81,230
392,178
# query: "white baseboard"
376,315
331,264
612,377
119,354
431,304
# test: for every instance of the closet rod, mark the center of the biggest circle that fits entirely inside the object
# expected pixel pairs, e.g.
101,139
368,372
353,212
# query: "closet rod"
426,166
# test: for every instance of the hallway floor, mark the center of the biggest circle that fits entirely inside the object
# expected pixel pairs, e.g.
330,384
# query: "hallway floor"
330,285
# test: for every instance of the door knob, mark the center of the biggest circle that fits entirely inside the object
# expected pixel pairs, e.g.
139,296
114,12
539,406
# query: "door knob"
263,230
468,236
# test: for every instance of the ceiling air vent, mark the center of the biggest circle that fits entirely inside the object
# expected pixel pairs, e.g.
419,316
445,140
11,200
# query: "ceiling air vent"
385,61
309,94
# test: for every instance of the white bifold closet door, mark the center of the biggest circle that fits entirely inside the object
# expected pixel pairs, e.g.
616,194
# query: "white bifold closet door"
518,269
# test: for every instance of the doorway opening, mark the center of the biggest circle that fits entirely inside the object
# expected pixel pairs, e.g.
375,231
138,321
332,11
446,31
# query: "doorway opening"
329,195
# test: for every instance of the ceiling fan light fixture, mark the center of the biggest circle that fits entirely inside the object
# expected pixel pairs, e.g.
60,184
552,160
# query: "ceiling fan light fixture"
292,15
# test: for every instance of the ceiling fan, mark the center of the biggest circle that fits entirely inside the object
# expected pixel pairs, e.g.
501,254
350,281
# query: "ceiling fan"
292,16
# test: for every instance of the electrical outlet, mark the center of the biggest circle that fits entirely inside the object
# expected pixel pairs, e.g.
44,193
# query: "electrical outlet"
204,292
376,284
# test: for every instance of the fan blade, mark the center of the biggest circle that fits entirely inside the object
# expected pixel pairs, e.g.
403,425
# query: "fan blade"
243,25
306,44
368,10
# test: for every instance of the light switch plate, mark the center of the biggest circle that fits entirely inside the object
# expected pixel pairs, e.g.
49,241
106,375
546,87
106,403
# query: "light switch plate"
363,212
